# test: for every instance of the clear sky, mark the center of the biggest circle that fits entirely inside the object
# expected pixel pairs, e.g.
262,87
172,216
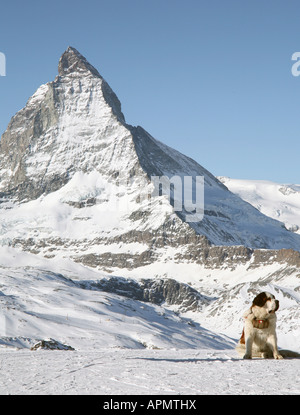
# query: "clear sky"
211,78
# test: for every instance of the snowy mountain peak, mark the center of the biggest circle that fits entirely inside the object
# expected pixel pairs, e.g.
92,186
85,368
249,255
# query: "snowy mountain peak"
72,61
62,157
72,124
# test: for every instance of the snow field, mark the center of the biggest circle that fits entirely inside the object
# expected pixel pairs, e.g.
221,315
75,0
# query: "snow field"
144,372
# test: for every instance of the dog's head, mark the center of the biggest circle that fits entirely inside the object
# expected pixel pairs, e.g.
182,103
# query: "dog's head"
266,302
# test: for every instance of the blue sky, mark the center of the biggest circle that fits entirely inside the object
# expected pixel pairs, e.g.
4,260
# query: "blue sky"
211,78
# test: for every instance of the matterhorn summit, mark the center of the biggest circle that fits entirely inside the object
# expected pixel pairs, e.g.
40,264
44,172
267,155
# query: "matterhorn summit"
68,125
62,159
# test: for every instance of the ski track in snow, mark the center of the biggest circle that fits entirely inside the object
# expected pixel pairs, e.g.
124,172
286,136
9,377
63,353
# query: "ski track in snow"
143,372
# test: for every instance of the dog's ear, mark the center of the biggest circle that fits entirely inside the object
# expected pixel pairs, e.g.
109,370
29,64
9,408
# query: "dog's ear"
277,305
260,300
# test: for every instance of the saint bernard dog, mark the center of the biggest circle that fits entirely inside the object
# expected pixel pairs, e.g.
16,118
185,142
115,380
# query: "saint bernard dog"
259,334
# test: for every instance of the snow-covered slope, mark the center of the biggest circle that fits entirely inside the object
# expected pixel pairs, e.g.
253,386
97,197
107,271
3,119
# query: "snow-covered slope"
73,304
278,201
38,302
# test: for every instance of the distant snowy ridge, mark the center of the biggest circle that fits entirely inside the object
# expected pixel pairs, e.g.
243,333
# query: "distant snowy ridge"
278,201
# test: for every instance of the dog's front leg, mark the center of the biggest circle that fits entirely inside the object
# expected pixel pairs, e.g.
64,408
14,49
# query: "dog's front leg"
248,344
272,342
249,335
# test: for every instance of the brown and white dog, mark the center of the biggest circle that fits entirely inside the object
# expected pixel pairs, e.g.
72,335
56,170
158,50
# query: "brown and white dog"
259,334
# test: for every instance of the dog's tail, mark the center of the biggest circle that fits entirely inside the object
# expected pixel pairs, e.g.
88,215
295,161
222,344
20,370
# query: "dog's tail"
286,354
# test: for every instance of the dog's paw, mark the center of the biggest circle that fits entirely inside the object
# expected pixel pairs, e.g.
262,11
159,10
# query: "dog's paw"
247,356
278,356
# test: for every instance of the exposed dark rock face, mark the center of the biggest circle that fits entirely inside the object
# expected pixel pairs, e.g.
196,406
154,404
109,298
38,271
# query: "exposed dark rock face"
157,291
18,142
190,248
51,344
174,293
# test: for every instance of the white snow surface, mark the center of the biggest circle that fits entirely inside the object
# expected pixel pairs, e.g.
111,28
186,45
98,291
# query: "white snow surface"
145,372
